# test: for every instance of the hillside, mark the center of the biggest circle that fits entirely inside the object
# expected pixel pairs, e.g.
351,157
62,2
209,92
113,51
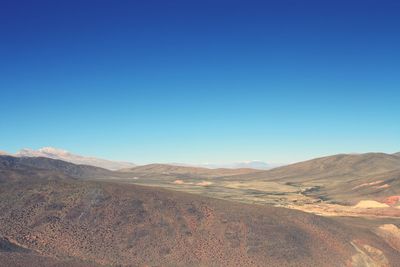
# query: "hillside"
62,167
12,254
343,178
64,219
341,167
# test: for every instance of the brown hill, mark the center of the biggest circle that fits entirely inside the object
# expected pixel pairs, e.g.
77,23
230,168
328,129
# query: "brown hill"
63,219
338,167
378,186
343,178
63,167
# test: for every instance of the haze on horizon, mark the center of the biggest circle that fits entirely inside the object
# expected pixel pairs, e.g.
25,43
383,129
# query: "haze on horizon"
203,81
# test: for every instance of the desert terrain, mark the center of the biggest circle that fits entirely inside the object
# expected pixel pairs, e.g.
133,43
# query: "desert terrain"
340,185
335,211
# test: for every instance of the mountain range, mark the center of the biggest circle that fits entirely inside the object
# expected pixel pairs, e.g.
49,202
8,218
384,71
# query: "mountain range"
60,154
251,164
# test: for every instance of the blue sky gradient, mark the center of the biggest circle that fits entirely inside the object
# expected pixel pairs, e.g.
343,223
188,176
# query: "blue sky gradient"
201,81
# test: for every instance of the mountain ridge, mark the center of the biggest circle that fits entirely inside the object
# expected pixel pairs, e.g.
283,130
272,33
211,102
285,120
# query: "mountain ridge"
60,154
43,163
341,163
346,178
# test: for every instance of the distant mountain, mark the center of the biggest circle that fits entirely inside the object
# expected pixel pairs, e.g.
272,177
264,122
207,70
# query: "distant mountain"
54,153
252,164
185,171
397,154
60,154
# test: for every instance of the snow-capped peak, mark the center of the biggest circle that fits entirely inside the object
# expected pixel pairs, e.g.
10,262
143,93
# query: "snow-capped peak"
53,151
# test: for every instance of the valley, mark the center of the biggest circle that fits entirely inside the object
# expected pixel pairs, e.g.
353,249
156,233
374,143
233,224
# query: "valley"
58,213
327,186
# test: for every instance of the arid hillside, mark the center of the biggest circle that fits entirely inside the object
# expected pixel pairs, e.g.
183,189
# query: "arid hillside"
59,166
15,255
341,167
342,178
65,220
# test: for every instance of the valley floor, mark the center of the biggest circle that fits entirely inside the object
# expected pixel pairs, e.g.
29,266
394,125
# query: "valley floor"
292,196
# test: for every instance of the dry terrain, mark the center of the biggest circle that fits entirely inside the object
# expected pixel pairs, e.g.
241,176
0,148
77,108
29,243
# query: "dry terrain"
340,185
57,213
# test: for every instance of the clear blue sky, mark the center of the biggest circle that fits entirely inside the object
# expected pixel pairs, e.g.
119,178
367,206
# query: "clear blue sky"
201,81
